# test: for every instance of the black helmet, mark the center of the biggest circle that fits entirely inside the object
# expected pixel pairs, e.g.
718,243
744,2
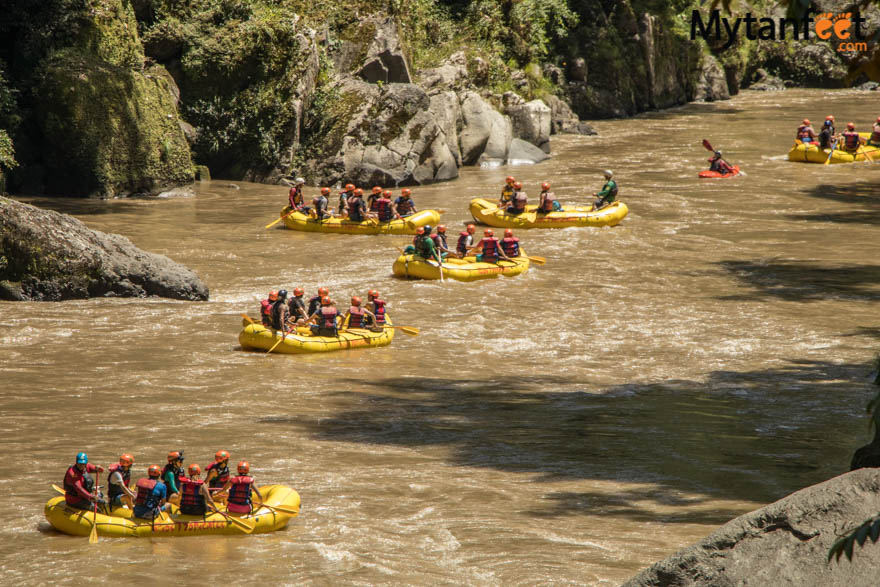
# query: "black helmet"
427,228
282,295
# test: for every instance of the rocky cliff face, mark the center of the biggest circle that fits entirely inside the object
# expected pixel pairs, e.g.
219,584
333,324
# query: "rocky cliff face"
49,256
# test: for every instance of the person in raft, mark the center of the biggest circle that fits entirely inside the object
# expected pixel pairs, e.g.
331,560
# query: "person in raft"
465,240
440,241
404,205
425,245
520,200
608,193
325,319
194,495
344,195
295,196
172,475
717,164
826,135
239,490
851,139
378,310
217,473
280,312
151,494
355,206
548,202
490,248
315,301
805,132
874,139
373,197
297,306
319,205
507,191
80,490
510,244
384,207
357,316
118,479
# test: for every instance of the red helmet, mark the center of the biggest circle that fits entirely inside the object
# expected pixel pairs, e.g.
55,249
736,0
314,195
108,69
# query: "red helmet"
174,455
510,179
489,232
325,191
850,126
377,189
517,185
298,291
273,295
806,121
243,467
126,460
373,293
545,185
323,291
326,301
154,471
471,228
420,230
355,301
829,117
441,228
220,456
387,193
508,232
349,187
359,192
193,470
405,192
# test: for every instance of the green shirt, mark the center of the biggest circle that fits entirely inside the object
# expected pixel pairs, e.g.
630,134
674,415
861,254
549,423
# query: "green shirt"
426,248
609,191
171,482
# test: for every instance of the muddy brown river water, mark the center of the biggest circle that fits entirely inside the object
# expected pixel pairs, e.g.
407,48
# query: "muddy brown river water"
650,382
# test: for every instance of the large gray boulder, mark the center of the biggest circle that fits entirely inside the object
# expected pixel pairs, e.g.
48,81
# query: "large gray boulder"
485,134
524,153
531,122
784,543
49,256
563,120
385,61
712,83
446,110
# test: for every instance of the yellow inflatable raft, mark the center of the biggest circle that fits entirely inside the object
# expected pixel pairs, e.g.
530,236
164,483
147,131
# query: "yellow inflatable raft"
119,523
488,212
811,153
255,336
407,225
467,269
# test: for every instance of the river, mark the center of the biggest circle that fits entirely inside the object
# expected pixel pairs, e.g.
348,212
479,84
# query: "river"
709,355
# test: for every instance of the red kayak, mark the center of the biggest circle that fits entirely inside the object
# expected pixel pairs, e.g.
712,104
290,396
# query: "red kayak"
715,174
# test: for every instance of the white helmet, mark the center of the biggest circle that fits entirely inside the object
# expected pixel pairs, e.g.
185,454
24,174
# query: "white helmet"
299,180
608,173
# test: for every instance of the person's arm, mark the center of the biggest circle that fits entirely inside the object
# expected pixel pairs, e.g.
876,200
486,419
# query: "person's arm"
170,481
81,491
224,489
412,204
203,489
256,490
394,211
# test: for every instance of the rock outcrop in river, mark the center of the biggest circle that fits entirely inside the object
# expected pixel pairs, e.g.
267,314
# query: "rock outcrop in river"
49,256
784,543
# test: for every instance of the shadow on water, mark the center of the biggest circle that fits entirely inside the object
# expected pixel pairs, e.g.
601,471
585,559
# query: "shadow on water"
864,195
738,435
801,281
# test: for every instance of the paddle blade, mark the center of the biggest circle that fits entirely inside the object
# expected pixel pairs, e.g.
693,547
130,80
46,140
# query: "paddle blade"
58,489
708,145
283,509
93,535
537,260
244,526
248,318
273,223
411,330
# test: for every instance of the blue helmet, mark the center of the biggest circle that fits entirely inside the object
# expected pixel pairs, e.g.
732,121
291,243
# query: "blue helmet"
82,458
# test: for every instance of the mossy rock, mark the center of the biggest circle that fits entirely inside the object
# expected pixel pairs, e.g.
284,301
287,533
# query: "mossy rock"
108,130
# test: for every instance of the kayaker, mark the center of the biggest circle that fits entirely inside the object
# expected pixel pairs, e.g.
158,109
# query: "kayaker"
608,193
266,309
874,139
520,200
507,191
378,307
719,165
172,474
320,204
151,494
344,195
118,480
548,202
325,319
79,489
295,196
280,312
489,247
384,207
826,135
510,244
373,198
240,488
805,132
404,205
465,240
851,139
440,241
357,315
194,495
355,206
217,473
315,301
297,306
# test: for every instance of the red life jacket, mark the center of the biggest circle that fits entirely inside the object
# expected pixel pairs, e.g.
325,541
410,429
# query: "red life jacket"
295,198
145,492
356,317
71,495
222,474
875,134
851,140
191,498
805,132
379,310
328,317
355,208
464,242
266,312
112,489
520,200
383,209
490,246
510,246
240,492
547,204
404,205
